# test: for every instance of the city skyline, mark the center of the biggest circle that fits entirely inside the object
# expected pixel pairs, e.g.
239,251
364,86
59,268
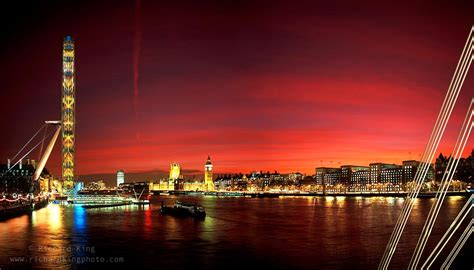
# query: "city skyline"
225,134
160,174
305,92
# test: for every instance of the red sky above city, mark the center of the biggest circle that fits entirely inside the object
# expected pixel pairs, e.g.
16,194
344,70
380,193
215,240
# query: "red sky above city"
268,86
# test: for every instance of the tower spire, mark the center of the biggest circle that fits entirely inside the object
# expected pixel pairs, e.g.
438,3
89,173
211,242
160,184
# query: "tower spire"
208,180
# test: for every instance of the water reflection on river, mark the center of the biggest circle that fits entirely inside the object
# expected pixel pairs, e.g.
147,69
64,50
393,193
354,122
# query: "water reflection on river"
289,232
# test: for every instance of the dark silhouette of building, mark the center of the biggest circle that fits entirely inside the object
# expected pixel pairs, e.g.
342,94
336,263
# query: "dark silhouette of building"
464,171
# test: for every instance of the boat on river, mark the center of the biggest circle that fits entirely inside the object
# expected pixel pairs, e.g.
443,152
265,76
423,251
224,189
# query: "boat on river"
183,209
99,201
15,207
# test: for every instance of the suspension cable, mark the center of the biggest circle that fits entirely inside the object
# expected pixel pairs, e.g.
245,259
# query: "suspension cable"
437,133
42,143
29,141
31,150
443,187
449,233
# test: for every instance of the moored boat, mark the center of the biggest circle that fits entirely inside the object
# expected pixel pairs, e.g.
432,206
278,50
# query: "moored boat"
183,209
98,201
20,206
90,206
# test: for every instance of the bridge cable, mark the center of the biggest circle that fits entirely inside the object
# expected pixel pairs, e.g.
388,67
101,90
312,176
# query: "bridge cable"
443,187
457,247
31,150
425,166
40,153
29,141
468,206
428,155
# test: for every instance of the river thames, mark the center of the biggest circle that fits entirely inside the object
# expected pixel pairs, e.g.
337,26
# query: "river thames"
274,233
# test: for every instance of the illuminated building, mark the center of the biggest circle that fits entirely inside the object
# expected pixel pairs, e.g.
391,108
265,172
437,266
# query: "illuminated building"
348,170
328,176
160,185
264,179
295,177
430,175
193,186
208,181
68,108
120,177
26,169
319,175
175,173
409,170
44,184
376,171
277,179
392,175
79,186
224,182
99,185
359,180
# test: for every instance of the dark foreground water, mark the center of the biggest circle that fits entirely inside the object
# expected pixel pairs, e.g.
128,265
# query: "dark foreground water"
284,233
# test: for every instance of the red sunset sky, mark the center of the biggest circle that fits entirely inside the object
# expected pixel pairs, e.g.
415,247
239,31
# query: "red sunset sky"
258,85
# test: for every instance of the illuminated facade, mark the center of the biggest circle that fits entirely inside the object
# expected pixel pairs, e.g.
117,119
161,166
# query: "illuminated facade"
68,108
208,181
175,173
359,180
161,185
409,170
120,177
193,186
328,176
348,170
393,176
376,171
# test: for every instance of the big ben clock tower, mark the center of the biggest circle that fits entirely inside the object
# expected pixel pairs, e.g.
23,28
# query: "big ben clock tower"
208,182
